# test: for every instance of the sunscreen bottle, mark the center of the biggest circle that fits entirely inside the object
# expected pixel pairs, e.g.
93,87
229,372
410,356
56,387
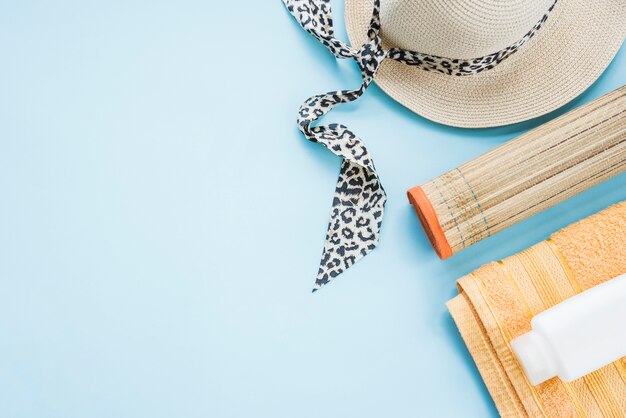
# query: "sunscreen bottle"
577,336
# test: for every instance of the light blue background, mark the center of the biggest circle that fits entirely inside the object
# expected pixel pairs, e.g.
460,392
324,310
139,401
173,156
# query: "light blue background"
161,222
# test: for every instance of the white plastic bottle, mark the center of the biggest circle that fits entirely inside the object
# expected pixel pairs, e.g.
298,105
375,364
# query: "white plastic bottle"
577,336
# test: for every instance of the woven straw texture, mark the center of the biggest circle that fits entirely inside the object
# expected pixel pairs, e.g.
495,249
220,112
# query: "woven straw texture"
496,303
459,28
566,56
535,171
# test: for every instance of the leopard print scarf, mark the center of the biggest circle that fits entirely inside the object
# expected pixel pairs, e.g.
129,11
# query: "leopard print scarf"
359,201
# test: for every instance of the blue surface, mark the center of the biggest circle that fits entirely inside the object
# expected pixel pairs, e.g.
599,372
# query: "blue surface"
161,222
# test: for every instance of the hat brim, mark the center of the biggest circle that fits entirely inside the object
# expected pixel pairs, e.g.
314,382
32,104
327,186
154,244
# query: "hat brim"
562,60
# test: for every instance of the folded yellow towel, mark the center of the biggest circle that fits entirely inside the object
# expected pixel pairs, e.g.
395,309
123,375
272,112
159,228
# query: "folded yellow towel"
496,303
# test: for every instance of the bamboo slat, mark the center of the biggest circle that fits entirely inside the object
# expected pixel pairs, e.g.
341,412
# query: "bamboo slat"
531,173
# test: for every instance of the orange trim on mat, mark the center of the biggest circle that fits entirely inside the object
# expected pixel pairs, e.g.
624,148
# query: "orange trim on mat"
430,222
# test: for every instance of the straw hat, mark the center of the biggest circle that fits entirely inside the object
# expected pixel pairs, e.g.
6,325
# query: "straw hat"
562,59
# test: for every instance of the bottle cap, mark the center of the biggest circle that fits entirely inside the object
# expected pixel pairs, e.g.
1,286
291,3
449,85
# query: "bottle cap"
535,357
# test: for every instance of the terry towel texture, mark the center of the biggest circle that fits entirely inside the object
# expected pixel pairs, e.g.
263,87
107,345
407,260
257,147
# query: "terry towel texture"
496,303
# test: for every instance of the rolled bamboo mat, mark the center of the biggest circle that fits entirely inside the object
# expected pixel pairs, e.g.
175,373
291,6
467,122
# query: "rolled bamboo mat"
529,174
497,302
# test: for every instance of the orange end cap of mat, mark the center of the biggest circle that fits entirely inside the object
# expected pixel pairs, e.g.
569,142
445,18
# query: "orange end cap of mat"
430,222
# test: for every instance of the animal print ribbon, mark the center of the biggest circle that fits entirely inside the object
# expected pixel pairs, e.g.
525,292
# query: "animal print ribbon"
359,201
